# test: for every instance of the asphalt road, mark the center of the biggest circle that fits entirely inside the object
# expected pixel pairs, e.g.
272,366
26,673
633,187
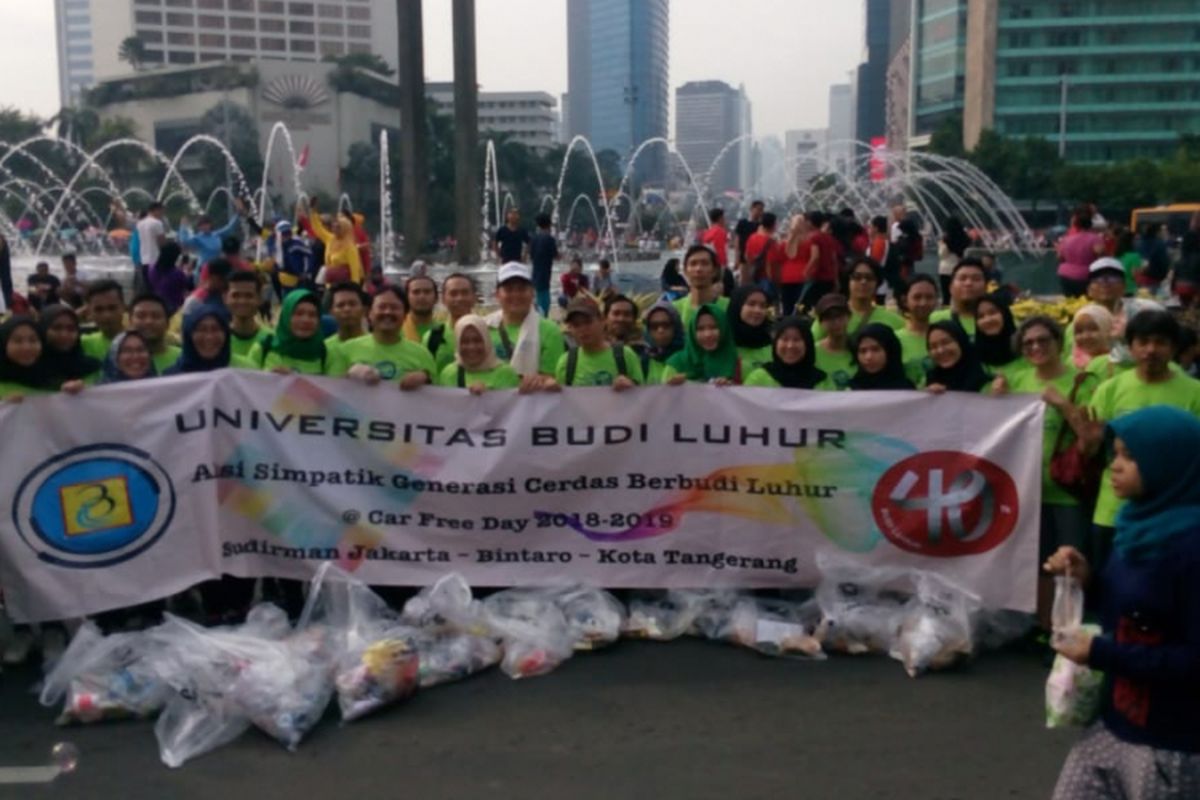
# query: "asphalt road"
687,719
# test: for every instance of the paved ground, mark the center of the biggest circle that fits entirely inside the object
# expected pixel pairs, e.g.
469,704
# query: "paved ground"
687,719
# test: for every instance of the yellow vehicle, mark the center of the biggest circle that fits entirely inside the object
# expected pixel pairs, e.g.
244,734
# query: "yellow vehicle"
1177,217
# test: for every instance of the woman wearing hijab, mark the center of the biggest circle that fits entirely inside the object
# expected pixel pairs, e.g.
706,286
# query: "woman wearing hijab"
297,344
709,354
749,309
664,338
476,366
342,259
128,359
63,358
206,343
672,282
1147,743
1089,341
880,360
995,330
794,360
22,367
956,366
167,280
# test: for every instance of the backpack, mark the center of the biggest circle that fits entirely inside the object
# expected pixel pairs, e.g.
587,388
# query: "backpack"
437,337
618,351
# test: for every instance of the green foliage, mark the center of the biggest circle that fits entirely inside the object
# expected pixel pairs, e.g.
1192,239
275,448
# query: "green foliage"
208,78
133,52
372,62
233,125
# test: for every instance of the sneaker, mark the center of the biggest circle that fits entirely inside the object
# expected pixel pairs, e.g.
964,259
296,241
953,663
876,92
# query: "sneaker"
54,642
18,647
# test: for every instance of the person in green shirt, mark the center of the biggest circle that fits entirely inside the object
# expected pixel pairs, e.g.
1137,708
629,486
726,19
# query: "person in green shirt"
709,354
864,280
422,294
968,283
1064,522
63,356
593,361
703,275
22,369
664,338
793,360
384,354
621,326
1152,337
148,316
920,299
296,345
207,342
243,298
1089,338
106,308
833,351
476,367
879,360
522,338
749,317
995,332
956,366
460,297
346,302
129,359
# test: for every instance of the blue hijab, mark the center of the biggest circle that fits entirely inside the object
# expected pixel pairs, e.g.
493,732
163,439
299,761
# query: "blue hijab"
1164,441
111,373
189,359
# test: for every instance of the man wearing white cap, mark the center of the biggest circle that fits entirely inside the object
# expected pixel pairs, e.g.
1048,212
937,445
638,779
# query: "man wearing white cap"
530,343
1106,287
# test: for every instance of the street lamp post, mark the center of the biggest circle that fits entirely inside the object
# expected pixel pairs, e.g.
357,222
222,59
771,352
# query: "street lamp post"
1062,116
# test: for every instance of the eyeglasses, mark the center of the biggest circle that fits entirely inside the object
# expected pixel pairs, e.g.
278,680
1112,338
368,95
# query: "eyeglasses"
1042,342
862,277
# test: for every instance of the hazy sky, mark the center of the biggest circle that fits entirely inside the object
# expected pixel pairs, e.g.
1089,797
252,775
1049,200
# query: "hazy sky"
786,52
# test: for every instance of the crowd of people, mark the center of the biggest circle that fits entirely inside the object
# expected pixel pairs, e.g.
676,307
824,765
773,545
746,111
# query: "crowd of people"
803,309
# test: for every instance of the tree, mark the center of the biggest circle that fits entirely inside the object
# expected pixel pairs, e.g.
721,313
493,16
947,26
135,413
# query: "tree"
132,52
947,138
233,125
74,123
371,62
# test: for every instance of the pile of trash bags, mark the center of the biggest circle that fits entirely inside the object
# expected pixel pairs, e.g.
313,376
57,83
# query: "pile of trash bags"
208,686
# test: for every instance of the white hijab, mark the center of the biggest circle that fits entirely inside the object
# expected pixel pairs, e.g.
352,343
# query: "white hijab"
490,361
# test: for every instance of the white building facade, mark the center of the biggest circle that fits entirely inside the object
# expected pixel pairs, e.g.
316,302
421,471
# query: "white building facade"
530,118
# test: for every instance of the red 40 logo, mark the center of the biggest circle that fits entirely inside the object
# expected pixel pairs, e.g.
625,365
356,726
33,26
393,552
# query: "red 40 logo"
945,504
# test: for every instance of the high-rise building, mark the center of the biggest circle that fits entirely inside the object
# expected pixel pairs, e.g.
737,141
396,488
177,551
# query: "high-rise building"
899,75
180,32
803,155
1126,76
526,117
617,75
871,82
709,115
841,126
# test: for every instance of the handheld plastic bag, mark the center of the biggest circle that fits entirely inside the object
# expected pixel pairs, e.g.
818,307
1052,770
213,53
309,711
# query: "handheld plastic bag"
1073,691
937,631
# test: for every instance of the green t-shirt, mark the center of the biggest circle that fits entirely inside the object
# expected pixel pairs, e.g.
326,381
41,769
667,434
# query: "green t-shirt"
598,369
1011,371
551,343
839,367
393,361
1028,382
878,314
242,346
755,357
762,378
275,359
166,358
95,344
444,354
7,390
684,306
947,315
654,372
501,377
1125,394
914,350
1103,367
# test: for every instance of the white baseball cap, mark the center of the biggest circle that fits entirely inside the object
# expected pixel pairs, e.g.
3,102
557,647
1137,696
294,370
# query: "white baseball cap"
514,269
1106,264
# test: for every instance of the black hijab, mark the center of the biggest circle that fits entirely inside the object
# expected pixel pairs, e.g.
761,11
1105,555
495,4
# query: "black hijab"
31,377
968,375
892,375
71,365
6,281
996,351
745,335
802,375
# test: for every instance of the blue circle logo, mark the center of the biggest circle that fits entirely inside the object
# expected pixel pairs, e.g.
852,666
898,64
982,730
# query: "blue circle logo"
94,506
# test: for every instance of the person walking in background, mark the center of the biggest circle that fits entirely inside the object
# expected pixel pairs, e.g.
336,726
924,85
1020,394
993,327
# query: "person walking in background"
572,281
167,280
511,242
746,228
764,257
1152,246
1076,252
952,247
151,236
716,237
543,252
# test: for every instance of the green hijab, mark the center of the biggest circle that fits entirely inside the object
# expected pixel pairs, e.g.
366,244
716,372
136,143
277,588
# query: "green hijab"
284,342
699,364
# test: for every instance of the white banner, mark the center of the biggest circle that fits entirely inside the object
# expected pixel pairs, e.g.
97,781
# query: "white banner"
136,491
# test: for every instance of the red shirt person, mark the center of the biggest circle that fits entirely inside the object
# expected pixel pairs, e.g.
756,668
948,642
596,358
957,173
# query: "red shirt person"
764,255
716,237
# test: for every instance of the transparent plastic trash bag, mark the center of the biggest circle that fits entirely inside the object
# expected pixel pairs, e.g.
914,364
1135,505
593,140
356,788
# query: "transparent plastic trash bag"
861,606
663,615
1073,691
937,631
534,633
